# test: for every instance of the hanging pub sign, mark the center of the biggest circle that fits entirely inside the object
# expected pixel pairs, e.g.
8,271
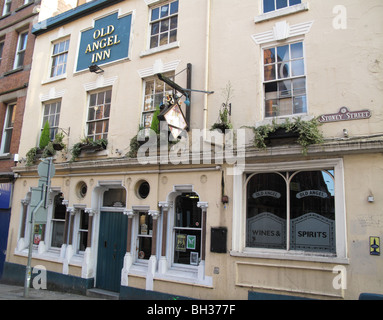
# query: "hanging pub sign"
344,115
107,41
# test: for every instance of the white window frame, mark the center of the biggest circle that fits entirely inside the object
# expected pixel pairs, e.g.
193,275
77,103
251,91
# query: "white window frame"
146,110
239,212
95,121
7,7
169,16
303,6
20,51
8,130
57,55
275,45
56,127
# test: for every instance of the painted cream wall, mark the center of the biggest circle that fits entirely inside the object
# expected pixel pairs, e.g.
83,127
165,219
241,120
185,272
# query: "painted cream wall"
127,95
233,57
343,66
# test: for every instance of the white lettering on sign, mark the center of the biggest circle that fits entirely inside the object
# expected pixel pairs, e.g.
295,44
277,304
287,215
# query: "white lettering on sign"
312,193
344,114
266,193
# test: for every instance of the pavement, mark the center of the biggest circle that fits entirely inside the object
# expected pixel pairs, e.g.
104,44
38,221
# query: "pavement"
11,292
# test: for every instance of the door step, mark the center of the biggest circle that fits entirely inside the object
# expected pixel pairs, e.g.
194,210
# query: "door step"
103,294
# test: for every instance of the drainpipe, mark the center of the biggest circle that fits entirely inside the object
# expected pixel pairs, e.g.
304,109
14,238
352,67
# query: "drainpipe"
207,53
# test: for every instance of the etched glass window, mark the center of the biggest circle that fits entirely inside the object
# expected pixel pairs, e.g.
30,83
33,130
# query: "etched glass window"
291,211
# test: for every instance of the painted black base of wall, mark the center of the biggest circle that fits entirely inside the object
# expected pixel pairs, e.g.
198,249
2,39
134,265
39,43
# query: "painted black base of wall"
252,295
130,293
14,274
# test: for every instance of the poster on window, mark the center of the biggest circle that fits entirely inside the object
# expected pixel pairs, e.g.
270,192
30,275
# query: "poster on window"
313,232
181,242
191,242
266,230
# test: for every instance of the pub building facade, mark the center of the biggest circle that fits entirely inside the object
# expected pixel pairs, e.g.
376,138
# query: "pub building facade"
215,219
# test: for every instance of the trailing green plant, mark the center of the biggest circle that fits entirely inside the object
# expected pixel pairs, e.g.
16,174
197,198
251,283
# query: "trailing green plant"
45,136
31,155
308,132
87,142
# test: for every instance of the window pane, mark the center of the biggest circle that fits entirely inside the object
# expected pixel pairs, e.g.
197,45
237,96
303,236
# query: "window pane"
312,210
284,88
155,14
164,11
92,100
269,56
266,211
281,4
283,70
165,25
154,42
300,104
173,36
297,68
174,7
163,39
297,50
173,22
299,86
57,233
293,2
268,5
283,53
155,28
269,72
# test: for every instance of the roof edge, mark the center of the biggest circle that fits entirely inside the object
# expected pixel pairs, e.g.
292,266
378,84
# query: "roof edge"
71,15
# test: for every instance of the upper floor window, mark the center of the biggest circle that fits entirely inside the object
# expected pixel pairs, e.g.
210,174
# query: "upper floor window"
98,115
8,128
20,52
163,24
7,7
155,92
1,49
59,58
272,5
284,80
52,115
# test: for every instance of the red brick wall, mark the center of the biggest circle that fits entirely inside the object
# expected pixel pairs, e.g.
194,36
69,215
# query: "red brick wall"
12,83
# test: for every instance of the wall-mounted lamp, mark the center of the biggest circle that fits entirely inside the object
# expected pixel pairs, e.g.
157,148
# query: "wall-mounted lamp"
95,68
345,133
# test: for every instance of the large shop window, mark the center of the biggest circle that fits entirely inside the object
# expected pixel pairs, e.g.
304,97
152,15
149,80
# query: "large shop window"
291,211
187,230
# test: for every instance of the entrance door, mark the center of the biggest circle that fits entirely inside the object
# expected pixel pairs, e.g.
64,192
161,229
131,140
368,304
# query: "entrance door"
111,250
